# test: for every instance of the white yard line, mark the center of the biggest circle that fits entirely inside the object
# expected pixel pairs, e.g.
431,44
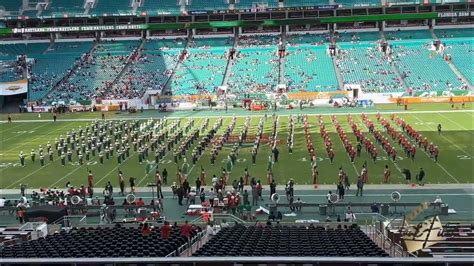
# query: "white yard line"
28,175
41,136
217,115
26,131
437,163
456,123
452,143
70,173
5,129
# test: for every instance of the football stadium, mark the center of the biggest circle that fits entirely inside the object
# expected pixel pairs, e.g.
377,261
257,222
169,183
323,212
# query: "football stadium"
236,132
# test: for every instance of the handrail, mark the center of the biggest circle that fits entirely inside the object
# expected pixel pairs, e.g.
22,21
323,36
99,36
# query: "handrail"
254,260
220,216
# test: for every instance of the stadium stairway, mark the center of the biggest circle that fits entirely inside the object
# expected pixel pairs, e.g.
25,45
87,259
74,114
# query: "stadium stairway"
454,68
340,80
230,61
397,73
66,77
130,60
166,86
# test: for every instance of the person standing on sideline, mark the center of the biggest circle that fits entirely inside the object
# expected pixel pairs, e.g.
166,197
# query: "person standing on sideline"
159,192
360,186
421,175
386,174
439,129
121,183
9,118
272,188
340,190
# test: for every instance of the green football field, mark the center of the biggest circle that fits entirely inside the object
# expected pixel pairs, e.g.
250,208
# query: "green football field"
455,165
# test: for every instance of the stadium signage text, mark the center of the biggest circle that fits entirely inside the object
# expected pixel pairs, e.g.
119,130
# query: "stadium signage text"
455,14
80,28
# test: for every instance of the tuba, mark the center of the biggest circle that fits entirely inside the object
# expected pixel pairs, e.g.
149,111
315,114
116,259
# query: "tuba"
334,198
395,196
130,198
23,200
75,200
275,197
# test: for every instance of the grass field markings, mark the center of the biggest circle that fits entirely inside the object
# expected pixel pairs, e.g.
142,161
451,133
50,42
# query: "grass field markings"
28,175
26,131
246,115
116,167
454,144
70,173
456,123
438,164
376,124
5,129
41,136
16,147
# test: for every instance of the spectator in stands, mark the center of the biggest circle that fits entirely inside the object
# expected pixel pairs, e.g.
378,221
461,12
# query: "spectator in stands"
140,202
437,202
211,230
165,230
340,190
191,197
374,208
350,217
146,229
180,193
21,215
186,229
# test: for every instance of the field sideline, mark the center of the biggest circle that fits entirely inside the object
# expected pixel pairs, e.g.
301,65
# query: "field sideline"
455,165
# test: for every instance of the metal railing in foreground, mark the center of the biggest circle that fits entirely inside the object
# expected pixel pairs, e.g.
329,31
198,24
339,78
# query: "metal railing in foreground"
244,260
375,226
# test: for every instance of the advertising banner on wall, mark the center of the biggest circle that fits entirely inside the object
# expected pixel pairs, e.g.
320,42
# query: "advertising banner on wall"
14,87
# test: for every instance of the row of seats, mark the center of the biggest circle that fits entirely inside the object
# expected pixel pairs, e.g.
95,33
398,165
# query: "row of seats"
10,71
61,7
152,69
307,39
154,7
424,69
254,70
364,64
310,68
50,67
94,75
462,54
204,68
93,243
279,240
454,33
403,35
370,36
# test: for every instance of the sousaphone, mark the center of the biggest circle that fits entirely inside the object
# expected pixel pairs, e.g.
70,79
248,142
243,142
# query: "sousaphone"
130,198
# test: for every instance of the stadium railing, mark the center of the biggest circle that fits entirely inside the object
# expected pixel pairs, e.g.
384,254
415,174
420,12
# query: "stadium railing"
242,260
